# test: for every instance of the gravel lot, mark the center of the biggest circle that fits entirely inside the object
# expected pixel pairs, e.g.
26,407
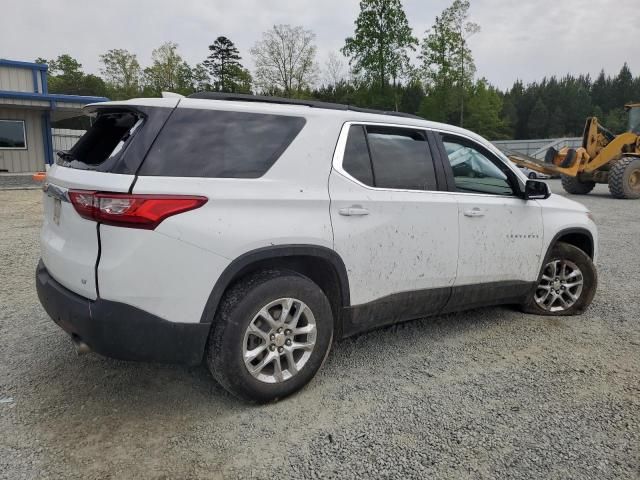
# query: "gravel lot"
489,393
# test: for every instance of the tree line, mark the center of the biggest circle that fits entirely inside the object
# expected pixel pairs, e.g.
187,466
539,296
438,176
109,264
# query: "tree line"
382,65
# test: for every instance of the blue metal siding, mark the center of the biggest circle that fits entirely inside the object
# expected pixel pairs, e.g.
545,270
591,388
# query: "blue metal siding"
18,64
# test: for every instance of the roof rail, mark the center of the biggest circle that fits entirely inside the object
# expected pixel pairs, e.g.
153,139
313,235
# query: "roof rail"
243,97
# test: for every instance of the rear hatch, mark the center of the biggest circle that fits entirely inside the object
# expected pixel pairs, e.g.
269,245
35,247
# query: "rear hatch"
105,159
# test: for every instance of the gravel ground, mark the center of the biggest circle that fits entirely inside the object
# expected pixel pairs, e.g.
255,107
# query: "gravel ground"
489,393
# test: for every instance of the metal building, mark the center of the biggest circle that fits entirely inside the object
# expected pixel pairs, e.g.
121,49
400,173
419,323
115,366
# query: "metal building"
26,112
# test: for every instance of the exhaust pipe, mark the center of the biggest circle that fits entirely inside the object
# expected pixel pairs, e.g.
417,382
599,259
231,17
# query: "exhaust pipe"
81,347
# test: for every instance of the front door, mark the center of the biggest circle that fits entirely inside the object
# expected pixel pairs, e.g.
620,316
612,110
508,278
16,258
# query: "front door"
500,233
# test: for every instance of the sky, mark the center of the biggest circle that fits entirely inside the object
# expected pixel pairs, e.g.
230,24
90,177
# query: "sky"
519,39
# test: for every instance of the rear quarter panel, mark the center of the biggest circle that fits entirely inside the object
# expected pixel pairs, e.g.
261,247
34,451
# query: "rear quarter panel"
288,205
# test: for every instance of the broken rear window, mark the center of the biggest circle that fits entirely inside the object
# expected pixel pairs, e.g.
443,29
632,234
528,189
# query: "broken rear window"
105,139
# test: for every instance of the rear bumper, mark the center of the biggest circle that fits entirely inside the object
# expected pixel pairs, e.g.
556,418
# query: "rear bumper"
118,330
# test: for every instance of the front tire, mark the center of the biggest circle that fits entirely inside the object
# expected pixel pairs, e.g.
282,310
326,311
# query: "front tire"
624,178
566,284
271,334
574,186
532,175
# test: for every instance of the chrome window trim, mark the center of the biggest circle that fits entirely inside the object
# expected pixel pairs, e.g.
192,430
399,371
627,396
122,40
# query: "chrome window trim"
338,157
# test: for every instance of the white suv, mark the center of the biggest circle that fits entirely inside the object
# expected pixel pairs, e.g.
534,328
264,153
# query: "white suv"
254,231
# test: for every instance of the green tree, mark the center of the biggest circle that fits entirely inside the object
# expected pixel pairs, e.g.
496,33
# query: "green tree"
242,80
509,115
382,40
576,107
616,120
601,91
224,65
121,72
484,111
285,60
201,78
65,76
446,58
439,104
538,120
557,123
168,72
622,87
411,96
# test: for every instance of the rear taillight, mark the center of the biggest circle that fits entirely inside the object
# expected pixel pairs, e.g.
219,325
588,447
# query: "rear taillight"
131,210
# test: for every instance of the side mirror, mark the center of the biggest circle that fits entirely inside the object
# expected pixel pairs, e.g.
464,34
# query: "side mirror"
536,190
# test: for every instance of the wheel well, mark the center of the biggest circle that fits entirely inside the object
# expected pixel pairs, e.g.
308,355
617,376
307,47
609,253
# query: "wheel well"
319,270
580,240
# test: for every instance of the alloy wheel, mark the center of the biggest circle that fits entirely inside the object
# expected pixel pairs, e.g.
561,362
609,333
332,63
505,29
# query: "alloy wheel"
560,286
279,340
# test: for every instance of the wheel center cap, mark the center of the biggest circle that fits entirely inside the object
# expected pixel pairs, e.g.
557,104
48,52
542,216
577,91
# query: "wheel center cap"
556,283
280,339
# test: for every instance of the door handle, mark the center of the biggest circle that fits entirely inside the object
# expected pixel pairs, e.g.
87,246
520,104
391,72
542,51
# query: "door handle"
354,210
474,212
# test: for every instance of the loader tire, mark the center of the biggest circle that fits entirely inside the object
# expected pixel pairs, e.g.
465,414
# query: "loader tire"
569,159
624,178
550,155
576,187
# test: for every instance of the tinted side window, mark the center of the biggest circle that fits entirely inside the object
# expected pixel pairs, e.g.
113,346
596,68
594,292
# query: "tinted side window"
356,161
401,158
212,143
476,170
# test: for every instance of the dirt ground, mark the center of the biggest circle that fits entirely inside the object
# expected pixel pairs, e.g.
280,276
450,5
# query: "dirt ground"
490,393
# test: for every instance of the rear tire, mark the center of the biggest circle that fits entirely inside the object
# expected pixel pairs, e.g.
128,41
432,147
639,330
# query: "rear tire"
575,283
574,186
533,175
240,329
624,178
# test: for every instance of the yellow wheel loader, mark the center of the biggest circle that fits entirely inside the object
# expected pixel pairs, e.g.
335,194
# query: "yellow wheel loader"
603,158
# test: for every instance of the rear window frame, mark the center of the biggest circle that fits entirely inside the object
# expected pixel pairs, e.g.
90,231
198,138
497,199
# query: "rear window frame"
434,155
112,159
132,154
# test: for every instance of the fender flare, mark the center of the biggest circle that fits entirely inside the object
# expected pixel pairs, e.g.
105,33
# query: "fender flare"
274,251
562,233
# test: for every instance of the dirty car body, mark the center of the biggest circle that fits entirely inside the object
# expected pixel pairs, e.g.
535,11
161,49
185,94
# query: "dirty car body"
170,216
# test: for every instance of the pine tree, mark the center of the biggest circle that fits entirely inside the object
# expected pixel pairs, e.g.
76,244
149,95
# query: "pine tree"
224,65
538,120
623,87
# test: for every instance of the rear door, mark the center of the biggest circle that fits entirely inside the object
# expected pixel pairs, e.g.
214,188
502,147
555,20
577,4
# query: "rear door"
105,159
397,234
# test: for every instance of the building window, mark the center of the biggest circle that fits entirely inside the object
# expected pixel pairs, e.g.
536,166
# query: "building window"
12,135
